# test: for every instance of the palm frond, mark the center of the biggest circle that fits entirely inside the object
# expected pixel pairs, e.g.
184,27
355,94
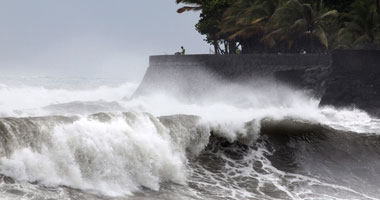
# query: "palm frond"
321,35
188,8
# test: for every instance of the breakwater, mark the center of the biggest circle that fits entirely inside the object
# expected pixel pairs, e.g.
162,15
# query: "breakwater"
354,80
343,78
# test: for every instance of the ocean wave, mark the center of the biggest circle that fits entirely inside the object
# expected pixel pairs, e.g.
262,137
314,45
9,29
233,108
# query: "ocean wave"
236,142
118,154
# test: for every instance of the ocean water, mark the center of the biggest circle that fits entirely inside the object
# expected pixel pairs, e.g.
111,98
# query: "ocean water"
81,138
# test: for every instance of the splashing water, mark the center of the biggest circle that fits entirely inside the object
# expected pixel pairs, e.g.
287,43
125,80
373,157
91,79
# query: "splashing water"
94,143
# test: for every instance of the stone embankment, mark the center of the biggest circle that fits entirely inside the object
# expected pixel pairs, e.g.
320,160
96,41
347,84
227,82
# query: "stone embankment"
343,78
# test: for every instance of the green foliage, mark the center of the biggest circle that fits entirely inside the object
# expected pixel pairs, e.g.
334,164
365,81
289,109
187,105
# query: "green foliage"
246,21
299,26
210,24
339,5
286,25
361,25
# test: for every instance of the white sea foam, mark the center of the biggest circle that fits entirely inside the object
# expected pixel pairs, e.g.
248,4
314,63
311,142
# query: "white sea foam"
121,156
232,107
114,158
227,105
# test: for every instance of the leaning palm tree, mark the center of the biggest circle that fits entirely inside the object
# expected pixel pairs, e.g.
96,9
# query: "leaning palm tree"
299,26
194,5
246,21
361,25
246,16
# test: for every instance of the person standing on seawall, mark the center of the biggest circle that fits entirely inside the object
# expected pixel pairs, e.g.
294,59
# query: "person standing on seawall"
182,50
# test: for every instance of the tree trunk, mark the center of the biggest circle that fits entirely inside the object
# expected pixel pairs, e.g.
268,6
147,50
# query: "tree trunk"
216,47
226,48
320,5
232,47
311,45
378,6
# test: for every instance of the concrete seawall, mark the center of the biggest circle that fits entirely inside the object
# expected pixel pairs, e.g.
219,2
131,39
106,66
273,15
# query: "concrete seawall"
343,78
354,80
192,73
243,66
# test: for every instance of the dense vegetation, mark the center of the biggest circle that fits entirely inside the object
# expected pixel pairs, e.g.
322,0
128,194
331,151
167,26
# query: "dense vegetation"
257,26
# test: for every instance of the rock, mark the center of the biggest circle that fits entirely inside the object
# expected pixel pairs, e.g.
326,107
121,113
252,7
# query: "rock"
354,80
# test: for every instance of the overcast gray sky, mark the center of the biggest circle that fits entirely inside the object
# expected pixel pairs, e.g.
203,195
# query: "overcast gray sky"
91,38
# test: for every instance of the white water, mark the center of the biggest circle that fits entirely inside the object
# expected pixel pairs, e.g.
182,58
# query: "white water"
228,105
125,154
28,98
123,157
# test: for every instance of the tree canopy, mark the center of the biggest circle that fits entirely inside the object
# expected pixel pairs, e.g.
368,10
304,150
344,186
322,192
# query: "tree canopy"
259,26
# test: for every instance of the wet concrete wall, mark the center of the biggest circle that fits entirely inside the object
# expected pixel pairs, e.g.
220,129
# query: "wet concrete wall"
343,78
192,73
354,80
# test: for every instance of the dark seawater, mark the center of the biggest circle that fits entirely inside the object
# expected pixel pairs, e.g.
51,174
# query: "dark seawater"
86,139
290,159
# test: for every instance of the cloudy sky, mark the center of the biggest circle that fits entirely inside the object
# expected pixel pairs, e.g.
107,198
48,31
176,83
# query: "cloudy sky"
91,38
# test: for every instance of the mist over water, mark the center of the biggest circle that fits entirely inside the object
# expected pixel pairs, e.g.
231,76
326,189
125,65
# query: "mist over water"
90,139
29,96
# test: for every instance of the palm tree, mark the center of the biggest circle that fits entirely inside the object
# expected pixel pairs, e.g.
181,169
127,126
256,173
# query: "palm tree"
361,26
299,26
194,5
210,20
247,20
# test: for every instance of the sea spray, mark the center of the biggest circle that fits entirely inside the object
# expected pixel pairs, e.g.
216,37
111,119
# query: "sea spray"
113,157
25,100
227,144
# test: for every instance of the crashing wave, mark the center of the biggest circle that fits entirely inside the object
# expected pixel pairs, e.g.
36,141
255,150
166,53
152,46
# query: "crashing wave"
122,153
